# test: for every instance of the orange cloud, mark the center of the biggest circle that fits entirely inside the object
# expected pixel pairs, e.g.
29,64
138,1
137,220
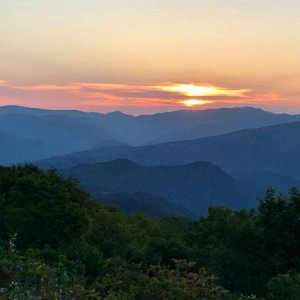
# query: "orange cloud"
3,82
49,87
132,98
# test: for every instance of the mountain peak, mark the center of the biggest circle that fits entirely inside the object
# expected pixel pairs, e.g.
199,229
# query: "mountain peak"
116,113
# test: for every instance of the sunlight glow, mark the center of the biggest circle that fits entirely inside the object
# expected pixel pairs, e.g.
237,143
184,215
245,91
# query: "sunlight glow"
194,102
193,90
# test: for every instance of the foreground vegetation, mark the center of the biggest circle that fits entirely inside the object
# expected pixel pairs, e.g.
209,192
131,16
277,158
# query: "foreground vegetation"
57,243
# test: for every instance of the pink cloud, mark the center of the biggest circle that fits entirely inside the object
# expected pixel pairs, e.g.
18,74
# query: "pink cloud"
126,97
2,82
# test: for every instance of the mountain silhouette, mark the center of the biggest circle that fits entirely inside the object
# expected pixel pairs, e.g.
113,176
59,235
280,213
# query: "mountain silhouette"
66,131
194,186
272,149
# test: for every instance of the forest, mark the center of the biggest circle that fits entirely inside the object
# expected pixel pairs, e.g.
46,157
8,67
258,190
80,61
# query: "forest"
57,242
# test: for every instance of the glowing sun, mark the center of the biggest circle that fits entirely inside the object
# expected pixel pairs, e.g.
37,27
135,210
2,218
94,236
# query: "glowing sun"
193,90
194,102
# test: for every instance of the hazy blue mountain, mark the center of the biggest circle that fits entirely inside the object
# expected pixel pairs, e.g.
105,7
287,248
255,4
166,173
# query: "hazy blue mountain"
89,157
161,127
195,186
16,150
274,149
204,123
264,179
56,135
146,203
54,128
188,124
38,112
67,131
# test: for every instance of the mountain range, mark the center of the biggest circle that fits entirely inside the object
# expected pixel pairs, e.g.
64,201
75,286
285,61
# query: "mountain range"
194,186
274,149
165,164
59,132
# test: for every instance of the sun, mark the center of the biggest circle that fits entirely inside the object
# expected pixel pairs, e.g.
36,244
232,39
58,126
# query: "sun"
191,94
203,90
190,90
194,102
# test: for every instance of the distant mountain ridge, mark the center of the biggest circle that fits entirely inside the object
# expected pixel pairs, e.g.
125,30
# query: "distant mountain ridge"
223,156
272,149
59,132
194,186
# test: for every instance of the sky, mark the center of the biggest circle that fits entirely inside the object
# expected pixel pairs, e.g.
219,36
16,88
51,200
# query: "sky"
147,56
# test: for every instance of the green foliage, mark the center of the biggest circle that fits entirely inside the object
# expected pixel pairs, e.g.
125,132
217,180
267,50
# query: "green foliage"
65,246
280,224
228,243
28,277
136,281
42,208
284,286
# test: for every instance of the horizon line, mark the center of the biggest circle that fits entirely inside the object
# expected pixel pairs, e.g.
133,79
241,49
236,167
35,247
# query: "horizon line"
137,115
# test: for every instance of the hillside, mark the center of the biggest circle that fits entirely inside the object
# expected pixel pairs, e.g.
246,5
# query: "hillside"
274,149
145,203
56,242
14,149
195,186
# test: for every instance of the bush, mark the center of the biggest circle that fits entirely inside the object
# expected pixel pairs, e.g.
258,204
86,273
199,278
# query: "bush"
284,286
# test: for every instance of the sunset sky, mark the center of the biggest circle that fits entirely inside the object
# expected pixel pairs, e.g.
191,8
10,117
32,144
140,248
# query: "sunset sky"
146,56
